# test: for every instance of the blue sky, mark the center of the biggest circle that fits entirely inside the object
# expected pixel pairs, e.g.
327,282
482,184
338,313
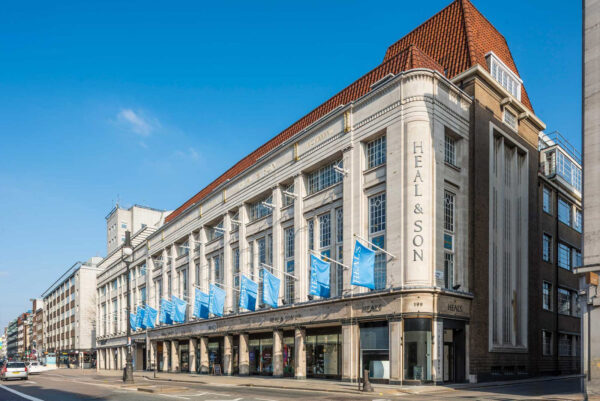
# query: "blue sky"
147,102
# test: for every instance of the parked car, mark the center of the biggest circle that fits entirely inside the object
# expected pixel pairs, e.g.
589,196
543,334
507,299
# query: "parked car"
34,367
14,370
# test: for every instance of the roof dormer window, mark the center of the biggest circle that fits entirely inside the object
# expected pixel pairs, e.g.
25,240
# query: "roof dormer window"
505,77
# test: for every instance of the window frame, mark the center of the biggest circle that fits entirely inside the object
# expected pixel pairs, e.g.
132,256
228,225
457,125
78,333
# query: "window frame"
376,152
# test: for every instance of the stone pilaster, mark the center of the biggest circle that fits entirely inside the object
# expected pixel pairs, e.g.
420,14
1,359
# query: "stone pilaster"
300,352
278,241
165,352
350,351
227,266
193,349
175,356
277,353
204,355
300,241
396,354
228,355
244,355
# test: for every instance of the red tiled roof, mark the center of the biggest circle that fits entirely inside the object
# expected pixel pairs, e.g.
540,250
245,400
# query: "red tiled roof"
456,38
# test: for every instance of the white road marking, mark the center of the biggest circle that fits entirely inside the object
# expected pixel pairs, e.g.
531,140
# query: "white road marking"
27,397
236,399
175,396
265,399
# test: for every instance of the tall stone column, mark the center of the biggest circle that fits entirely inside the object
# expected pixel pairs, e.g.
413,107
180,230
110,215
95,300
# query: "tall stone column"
418,222
277,261
203,279
175,356
193,348
165,279
174,276
99,359
227,266
300,241
244,355
243,242
152,355
277,353
204,355
396,354
151,290
396,195
300,352
191,274
350,351
228,355
165,352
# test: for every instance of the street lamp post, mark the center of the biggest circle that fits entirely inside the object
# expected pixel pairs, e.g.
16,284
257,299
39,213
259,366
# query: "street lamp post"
127,254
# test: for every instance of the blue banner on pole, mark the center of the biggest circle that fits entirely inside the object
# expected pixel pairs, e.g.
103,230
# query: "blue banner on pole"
166,308
132,321
201,304
141,312
150,320
216,301
179,307
363,266
139,317
248,294
270,288
319,277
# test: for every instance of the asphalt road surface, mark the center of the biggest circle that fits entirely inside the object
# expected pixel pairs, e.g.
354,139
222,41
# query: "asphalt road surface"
54,386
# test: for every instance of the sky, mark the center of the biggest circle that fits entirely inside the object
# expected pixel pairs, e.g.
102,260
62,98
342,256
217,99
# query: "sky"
142,102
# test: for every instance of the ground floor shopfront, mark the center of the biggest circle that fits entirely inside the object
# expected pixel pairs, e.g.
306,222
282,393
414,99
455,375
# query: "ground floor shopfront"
397,337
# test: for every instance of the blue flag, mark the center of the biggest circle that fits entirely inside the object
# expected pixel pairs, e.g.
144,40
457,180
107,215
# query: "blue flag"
248,293
150,317
319,277
270,289
166,307
363,266
179,306
216,301
141,317
201,304
132,321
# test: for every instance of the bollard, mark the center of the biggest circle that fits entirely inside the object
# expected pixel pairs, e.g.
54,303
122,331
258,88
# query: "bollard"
366,383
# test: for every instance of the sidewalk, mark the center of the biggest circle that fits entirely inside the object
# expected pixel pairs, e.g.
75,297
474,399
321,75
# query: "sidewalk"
332,386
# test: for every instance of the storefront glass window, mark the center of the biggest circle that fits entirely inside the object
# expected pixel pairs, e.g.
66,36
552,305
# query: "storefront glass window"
417,349
261,356
323,354
374,345
184,350
288,356
214,356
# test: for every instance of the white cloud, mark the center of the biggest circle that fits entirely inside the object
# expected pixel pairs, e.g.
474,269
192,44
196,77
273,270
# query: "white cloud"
190,154
136,122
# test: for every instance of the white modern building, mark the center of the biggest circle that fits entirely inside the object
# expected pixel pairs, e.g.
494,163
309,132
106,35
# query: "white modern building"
130,219
70,315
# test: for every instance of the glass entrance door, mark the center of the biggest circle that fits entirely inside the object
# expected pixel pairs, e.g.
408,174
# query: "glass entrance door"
417,350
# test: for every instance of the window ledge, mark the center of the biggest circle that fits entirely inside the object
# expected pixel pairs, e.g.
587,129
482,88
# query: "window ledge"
453,167
322,191
374,168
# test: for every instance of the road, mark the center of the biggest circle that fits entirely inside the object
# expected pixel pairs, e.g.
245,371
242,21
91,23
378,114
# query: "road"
56,386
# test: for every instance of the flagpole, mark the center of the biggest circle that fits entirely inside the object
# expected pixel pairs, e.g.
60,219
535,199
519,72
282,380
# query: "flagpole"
274,268
375,246
328,259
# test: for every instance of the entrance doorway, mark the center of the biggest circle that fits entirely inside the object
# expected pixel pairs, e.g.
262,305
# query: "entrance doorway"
454,351
184,352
